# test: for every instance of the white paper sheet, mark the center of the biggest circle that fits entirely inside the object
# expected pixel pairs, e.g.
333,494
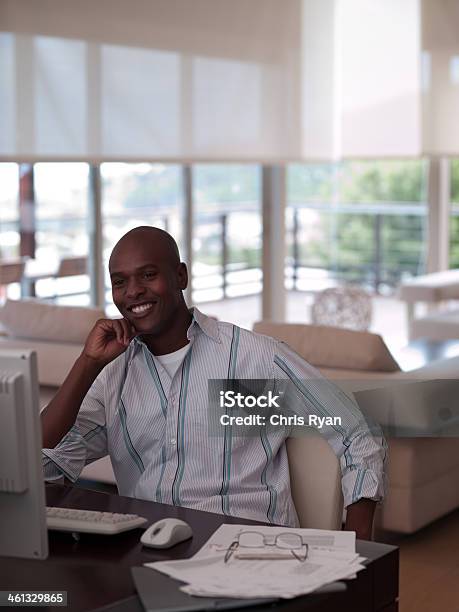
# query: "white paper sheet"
331,557
331,540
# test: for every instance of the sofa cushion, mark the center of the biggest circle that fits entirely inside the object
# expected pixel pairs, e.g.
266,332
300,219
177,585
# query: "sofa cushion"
359,380
333,347
42,321
442,368
413,408
55,359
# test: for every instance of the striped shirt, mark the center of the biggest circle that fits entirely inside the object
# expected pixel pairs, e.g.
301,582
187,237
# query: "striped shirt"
155,428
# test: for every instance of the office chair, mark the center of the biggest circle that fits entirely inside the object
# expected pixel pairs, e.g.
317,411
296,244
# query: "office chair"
315,481
11,272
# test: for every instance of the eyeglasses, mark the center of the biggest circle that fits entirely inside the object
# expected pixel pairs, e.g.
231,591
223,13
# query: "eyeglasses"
292,542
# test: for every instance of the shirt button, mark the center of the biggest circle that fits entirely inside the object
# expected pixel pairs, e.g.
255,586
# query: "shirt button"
173,441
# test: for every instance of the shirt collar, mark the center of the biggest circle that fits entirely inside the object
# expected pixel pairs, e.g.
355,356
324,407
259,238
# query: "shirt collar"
206,324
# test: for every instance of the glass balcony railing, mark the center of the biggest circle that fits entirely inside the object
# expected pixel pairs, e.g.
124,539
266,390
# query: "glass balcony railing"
375,245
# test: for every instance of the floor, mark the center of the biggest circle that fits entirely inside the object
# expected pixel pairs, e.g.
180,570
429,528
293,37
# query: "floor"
429,567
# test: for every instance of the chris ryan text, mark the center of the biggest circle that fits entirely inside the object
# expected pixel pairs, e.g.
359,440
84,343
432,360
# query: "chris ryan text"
312,420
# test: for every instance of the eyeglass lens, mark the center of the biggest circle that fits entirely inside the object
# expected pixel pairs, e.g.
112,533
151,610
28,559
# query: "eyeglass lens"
253,539
289,540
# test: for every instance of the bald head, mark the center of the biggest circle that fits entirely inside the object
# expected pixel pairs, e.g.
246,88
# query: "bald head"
148,281
150,240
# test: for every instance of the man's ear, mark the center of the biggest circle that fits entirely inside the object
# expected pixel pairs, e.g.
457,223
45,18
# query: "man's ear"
182,276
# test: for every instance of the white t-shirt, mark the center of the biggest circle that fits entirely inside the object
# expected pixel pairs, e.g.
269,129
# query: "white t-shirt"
172,361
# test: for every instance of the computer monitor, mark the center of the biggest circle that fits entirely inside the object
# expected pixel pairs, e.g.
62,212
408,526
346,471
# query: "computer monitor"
23,530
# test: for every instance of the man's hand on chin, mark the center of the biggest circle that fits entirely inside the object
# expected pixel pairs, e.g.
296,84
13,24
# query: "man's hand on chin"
359,518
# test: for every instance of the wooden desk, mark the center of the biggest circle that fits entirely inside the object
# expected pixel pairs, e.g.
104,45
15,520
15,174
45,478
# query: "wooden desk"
96,570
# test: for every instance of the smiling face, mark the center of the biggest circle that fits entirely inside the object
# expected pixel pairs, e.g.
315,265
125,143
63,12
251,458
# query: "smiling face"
147,280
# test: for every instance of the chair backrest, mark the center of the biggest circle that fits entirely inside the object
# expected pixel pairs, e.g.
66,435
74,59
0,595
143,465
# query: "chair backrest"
315,481
11,271
348,307
72,266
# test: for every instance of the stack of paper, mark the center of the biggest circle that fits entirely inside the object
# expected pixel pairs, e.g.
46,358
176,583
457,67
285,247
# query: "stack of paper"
331,557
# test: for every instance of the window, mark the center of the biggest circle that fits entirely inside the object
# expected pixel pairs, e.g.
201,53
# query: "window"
138,194
227,242
9,222
61,212
360,222
9,211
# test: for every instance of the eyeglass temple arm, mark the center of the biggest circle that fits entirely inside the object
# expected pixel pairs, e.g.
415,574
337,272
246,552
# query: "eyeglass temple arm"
231,548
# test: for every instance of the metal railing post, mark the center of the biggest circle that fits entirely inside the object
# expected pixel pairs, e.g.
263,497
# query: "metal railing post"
378,221
224,250
296,255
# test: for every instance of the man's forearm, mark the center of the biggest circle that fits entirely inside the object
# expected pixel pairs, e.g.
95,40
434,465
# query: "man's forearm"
359,518
60,414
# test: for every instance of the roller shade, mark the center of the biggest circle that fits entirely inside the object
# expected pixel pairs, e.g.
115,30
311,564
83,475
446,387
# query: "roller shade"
440,91
191,80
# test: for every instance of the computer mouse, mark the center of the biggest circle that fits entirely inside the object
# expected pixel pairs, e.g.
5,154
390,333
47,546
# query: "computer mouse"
166,533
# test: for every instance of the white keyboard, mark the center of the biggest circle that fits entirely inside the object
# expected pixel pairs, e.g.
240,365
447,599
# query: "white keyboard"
90,521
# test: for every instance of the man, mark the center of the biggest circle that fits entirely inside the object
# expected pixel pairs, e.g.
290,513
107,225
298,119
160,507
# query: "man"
138,392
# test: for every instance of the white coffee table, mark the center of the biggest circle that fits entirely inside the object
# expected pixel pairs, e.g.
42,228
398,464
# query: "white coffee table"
431,288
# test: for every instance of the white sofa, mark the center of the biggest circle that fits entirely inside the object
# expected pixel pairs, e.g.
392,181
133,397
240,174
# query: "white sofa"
57,334
423,472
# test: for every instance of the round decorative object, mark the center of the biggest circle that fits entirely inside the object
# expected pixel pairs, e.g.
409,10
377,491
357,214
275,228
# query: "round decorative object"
348,307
